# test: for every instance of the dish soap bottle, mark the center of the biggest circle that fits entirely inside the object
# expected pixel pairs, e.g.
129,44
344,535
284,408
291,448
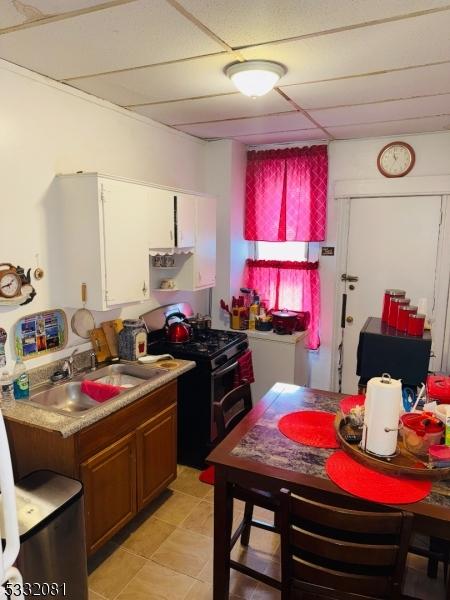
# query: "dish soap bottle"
21,380
7,390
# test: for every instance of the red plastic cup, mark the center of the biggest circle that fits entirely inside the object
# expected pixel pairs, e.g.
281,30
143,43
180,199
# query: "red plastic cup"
388,294
403,314
416,324
393,309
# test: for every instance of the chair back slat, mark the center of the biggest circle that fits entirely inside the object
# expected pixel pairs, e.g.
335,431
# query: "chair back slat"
329,548
343,551
232,408
375,587
350,520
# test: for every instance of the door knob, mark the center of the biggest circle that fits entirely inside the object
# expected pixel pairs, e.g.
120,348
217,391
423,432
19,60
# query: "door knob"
349,319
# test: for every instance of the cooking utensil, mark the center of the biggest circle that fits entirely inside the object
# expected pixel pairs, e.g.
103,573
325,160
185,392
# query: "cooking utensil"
100,344
82,321
200,323
225,307
179,331
284,321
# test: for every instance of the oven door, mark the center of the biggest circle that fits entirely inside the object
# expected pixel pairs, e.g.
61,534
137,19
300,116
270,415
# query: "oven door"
222,382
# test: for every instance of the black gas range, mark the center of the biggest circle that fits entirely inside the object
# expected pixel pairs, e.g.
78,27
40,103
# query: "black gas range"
216,353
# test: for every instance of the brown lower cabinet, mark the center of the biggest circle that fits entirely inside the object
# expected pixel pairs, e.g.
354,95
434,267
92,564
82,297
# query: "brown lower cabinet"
124,460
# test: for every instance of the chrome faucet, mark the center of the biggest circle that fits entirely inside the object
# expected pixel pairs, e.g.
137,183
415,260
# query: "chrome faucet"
68,367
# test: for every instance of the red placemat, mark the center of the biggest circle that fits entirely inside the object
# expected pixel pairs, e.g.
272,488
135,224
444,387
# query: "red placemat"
310,427
365,483
350,402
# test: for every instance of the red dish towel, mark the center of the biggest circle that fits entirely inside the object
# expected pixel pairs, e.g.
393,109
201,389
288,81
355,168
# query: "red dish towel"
100,391
365,483
245,369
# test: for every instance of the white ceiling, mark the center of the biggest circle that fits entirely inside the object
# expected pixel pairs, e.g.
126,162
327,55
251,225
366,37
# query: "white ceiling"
356,68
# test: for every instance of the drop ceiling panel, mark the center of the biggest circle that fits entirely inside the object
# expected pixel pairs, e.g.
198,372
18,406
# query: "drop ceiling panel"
385,86
384,111
422,125
241,22
17,12
130,35
284,122
300,135
199,77
399,44
215,108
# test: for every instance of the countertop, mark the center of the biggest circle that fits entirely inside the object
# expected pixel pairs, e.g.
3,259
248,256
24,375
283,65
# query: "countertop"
68,425
293,338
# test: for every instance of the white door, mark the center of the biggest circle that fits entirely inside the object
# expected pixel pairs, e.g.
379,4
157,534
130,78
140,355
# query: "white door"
185,220
161,224
392,243
125,221
205,243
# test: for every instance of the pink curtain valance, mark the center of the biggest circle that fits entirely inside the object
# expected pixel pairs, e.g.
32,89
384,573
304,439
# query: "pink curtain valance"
286,194
283,264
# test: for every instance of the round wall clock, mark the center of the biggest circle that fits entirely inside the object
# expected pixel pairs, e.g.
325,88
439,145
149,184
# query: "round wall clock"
396,159
10,282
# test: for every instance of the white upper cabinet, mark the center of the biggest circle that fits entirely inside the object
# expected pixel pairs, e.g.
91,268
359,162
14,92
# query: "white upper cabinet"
205,243
185,220
126,214
161,224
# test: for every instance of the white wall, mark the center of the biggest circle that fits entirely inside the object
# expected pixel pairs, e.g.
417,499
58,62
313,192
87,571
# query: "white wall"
48,128
225,179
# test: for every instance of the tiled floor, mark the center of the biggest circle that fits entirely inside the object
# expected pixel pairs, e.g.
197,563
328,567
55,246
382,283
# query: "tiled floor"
165,553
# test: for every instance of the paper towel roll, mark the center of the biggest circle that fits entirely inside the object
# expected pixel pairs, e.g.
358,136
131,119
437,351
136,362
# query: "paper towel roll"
382,411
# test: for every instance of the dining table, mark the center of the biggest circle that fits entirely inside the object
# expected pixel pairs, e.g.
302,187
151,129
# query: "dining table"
255,454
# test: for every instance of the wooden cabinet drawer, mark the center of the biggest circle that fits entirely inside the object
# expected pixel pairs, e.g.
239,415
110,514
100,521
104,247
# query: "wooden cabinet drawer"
125,420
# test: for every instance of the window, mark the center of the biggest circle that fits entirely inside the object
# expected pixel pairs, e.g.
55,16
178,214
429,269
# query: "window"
297,251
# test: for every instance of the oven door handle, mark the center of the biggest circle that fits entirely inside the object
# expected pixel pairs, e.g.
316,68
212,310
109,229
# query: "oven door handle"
226,370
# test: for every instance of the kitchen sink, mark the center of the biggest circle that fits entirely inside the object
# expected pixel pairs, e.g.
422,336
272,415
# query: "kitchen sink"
68,399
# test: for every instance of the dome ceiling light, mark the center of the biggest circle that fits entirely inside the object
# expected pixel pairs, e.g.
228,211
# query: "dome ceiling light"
255,77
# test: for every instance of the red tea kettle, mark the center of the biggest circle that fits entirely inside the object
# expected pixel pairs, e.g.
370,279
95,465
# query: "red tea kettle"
178,331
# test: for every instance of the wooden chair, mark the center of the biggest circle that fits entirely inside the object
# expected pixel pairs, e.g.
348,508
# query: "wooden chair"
330,552
227,414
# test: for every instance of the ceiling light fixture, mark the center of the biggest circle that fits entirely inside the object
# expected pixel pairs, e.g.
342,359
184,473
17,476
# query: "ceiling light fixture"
255,77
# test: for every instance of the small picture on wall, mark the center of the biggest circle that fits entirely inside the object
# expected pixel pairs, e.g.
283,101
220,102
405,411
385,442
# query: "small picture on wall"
41,333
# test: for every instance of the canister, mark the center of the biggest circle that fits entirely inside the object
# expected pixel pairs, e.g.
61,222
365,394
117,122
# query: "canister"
388,294
403,314
132,340
416,324
394,305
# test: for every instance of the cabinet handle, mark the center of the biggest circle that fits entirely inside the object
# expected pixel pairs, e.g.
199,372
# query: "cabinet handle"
171,235
144,289
199,276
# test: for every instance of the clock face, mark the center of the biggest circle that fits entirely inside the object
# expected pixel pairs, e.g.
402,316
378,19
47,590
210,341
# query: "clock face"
10,285
396,159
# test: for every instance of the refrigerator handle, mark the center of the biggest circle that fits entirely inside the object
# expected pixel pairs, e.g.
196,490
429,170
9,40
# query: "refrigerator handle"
11,533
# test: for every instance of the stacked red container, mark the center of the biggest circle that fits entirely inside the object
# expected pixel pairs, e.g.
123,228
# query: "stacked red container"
393,309
403,314
388,295
416,324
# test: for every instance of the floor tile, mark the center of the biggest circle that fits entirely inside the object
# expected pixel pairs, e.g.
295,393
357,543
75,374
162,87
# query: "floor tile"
176,508
155,582
241,585
264,592
185,551
201,519
110,577
94,596
255,559
189,483
200,591
144,538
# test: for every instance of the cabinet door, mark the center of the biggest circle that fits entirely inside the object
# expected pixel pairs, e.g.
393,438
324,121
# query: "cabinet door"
185,220
125,219
156,442
205,245
109,480
161,223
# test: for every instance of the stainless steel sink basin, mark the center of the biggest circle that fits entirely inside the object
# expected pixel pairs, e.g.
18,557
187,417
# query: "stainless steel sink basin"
67,398
124,375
